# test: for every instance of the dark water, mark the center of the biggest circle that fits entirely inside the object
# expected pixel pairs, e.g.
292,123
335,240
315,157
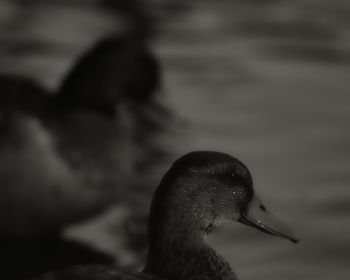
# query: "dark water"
283,112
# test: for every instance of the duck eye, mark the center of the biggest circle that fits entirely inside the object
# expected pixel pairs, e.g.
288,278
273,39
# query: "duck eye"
233,175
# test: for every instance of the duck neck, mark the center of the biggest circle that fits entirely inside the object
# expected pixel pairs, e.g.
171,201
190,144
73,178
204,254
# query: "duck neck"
183,261
178,249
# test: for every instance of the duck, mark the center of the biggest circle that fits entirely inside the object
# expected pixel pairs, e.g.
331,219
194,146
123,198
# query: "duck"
117,70
110,115
200,191
87,136
68,155
121,77
111,119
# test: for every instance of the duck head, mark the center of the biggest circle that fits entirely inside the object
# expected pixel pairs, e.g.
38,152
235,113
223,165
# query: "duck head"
118,75
202,190
142,88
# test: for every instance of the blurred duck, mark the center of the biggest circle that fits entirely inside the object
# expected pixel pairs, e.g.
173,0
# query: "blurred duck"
117,72
199,192
117,83
67,157
110,114
112,121
78,147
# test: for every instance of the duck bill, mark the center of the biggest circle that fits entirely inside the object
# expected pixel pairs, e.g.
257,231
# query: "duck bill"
257,216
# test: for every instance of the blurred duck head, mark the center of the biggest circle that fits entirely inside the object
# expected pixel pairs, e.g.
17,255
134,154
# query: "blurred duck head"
118,74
